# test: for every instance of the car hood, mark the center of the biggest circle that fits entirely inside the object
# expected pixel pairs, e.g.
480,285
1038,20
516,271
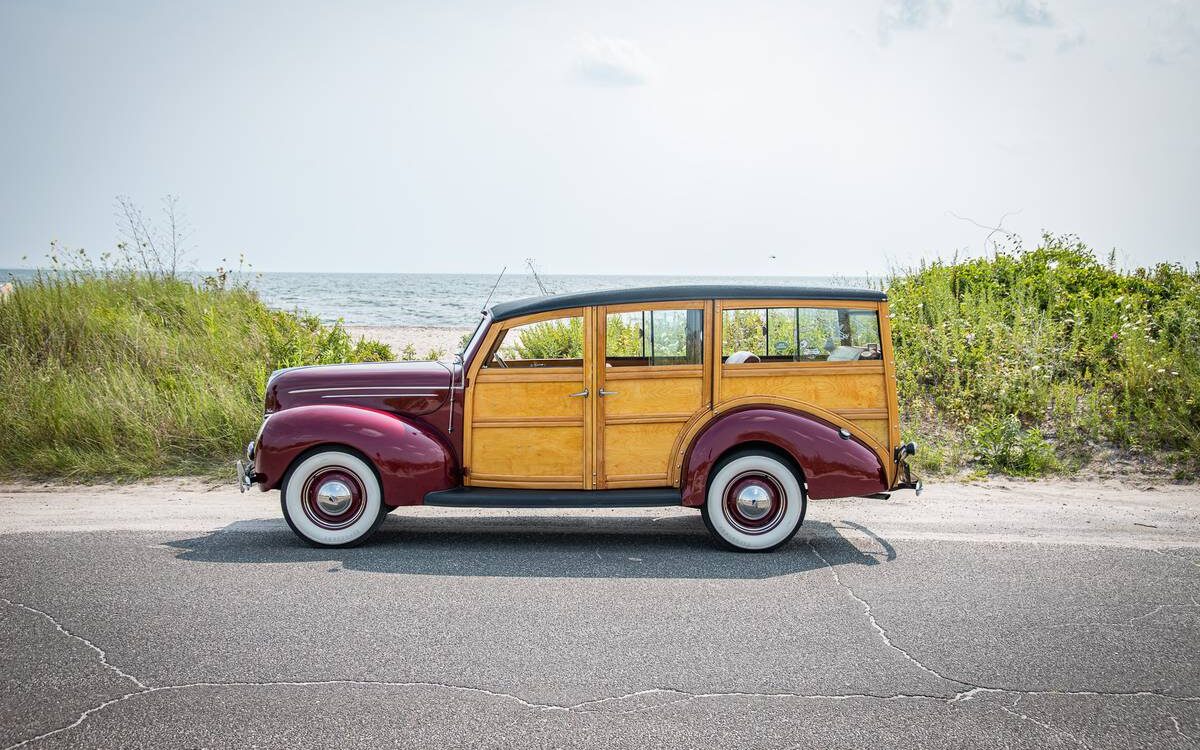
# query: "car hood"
406,387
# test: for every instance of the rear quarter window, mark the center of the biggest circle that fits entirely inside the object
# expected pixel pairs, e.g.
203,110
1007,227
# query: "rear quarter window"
799,334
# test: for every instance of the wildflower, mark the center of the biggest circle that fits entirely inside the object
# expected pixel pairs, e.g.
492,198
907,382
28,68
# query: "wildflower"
1118,300
1114,336
1174,373
954,360
1161,371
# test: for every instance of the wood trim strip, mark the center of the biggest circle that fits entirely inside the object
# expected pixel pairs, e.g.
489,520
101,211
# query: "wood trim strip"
515,482
707,359
695,304
880,413
530,374
752,369
647,418
595,469
749,304
653,373
637,480
529,422
587,467
889,377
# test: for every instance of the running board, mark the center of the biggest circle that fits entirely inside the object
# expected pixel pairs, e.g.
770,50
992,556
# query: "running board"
489,497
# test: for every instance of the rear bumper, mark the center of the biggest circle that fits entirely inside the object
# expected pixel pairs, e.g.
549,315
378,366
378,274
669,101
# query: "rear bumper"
904,478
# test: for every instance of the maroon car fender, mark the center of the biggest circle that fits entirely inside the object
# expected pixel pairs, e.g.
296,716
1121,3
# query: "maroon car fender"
411,458
833,466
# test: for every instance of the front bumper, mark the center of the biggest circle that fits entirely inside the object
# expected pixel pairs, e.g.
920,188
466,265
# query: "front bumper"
245,469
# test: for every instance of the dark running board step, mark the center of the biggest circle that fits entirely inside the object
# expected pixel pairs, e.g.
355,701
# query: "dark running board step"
488,497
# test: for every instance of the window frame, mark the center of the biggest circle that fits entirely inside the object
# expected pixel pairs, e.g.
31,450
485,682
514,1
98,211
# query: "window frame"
500,330
722,305
706,330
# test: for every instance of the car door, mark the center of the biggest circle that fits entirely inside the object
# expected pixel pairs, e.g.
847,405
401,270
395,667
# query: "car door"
651,378
529,405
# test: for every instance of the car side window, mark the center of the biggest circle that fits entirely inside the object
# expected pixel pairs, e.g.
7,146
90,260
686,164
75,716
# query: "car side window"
799,334
547,343
654,338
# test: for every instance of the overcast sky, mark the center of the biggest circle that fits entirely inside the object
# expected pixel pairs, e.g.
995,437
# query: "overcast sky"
603,137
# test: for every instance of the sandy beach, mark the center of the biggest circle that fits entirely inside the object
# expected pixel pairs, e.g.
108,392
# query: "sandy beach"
424,339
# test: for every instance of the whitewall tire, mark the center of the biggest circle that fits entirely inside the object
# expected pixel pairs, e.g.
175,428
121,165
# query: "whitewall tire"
332,498
755,502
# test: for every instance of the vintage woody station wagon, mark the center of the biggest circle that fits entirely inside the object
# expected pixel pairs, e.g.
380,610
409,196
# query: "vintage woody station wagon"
741,401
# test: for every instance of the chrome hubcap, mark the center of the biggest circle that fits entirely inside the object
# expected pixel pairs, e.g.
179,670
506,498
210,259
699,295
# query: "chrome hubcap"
334,497
753,502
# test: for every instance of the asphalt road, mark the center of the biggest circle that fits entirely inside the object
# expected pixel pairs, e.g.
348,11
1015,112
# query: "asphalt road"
1031,615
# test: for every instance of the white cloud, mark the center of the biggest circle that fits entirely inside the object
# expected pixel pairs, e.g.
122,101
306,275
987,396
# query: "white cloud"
1069,40
1026,12
605,61
911,15
1175,34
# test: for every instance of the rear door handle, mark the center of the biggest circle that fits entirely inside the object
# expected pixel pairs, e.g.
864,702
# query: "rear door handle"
582,394
607,393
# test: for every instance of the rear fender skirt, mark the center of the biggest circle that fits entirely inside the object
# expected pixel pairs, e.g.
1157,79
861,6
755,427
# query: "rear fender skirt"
833,466
411,457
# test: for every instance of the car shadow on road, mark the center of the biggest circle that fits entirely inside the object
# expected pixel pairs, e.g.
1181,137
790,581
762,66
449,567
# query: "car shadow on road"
542,546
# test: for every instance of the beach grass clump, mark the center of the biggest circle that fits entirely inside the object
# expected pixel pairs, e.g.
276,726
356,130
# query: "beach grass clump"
112,374
1034,361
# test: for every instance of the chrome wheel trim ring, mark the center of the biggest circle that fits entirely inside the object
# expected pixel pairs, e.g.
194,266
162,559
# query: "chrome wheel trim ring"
333,511
754,502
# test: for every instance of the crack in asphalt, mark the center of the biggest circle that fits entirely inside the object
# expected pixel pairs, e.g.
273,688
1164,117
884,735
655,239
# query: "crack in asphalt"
883,634
683,696
1179,730
58,626
1136,621
1012,711
975,689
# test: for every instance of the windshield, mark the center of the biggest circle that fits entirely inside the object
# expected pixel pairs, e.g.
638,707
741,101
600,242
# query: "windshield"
468,340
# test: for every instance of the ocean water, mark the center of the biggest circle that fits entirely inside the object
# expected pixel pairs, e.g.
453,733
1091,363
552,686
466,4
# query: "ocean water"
451,300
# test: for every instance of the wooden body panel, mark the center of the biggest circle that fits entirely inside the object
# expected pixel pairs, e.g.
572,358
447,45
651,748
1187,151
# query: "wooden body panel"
640,420
523,429
861,394
861,390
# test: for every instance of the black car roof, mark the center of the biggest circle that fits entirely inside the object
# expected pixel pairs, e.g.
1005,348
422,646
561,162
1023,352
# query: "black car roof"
531,305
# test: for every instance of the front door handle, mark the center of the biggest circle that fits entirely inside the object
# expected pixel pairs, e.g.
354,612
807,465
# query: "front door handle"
582,394
607,393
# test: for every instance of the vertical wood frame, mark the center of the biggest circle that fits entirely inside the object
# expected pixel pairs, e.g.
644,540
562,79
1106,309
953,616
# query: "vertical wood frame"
475,374
889,372
601,374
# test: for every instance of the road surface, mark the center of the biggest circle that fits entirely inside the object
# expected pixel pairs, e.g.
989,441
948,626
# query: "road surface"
1039,615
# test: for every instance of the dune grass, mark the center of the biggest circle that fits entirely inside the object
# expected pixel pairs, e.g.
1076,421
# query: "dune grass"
1023,363
117,375
1037,361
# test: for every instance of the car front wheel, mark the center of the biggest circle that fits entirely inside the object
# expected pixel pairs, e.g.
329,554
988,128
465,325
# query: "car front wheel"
332,498
755,502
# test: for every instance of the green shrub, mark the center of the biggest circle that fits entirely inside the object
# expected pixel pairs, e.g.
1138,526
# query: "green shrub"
552,339
1085,354
1001,444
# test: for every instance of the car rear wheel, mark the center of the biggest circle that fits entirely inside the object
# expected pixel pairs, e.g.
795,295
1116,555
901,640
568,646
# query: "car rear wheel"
755,502
332,498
